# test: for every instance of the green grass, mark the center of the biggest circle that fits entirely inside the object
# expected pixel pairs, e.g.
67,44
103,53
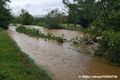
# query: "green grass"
42,24
62,26
16,65
1,29
75,28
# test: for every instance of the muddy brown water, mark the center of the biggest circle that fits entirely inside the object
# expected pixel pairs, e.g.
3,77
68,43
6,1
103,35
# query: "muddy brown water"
64,61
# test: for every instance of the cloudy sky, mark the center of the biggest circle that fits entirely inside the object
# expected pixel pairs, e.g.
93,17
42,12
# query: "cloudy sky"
35,7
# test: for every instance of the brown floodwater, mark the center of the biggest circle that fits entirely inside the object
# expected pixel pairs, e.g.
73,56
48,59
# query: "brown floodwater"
64,61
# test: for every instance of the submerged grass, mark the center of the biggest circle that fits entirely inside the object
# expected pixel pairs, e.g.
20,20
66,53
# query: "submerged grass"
36,33
15,65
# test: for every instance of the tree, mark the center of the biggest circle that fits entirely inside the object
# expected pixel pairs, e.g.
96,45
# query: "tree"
76,13
27,18
103,14
53,19
17,20
5,15
109,13
104,17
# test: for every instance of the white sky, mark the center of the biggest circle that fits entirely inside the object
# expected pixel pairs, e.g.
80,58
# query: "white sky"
35,7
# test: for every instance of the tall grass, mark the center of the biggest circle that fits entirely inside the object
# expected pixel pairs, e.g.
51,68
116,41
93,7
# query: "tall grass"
36,33
15,65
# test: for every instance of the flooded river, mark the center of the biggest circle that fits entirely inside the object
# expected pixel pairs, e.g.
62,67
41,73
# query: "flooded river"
63,60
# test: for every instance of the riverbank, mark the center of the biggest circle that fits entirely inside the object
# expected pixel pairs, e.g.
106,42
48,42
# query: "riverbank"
15,64
74,28
62,26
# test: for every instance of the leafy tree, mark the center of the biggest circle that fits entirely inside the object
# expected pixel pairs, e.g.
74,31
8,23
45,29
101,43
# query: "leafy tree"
76,13
108,14
4,2
72,17
27,18
53,19
109,46
104,17
17,20
5,15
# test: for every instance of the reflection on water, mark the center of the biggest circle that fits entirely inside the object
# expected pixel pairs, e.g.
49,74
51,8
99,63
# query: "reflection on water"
62,60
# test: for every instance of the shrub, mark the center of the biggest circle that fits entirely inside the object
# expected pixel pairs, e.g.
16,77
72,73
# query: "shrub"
53,19
27,18
59,39
75,40
49,35
110,43
36,33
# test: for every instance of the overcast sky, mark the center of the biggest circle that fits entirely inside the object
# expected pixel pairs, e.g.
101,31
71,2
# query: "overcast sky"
35,7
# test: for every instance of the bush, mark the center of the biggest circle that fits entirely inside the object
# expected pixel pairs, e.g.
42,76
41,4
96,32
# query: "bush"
110,43
53,19
75,40
36,33
27,18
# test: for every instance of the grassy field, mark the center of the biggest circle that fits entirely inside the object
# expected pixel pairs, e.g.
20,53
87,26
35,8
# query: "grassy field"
15,65
75,28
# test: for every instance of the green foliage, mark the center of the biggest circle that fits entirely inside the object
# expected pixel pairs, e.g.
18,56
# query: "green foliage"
59,39
27,18
53,19
42,24
36,33
77,13
75,40
110,42
92,33
4,2
72,17
1,29
16,65
5,15
50,35
65,26
17,20
86,39
101,16
107,15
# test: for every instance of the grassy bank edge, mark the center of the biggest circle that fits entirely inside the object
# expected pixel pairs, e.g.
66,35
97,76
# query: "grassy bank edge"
61,26
39,72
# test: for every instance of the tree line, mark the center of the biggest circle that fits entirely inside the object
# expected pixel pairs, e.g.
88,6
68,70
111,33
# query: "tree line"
104,14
